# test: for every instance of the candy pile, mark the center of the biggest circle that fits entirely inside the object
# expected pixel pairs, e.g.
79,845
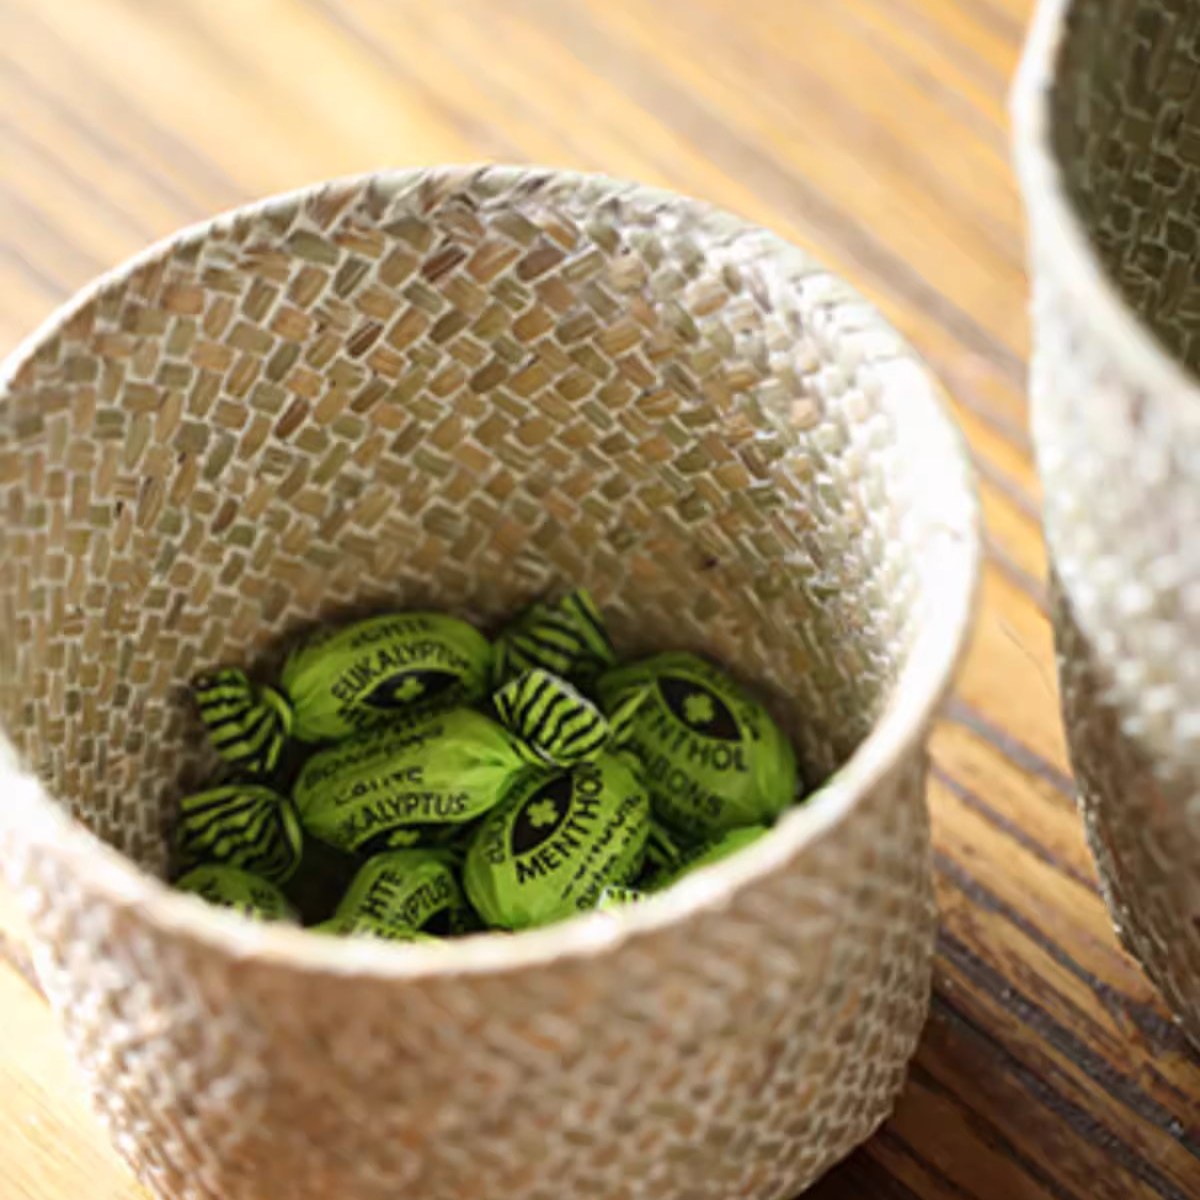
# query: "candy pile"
410,780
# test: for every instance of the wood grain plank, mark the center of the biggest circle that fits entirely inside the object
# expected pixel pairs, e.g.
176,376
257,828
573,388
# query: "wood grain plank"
850,175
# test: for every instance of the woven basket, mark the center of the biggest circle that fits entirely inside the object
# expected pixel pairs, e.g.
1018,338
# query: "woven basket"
457,388
1108,141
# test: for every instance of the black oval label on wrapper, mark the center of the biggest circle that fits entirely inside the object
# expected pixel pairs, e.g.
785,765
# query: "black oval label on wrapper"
541,815
698,709
557,843
407,688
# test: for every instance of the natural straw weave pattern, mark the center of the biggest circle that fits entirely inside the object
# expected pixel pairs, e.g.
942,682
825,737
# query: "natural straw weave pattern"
1108,137
457,388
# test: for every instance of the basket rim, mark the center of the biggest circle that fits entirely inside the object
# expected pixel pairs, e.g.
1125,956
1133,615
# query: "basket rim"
937,649
1115,323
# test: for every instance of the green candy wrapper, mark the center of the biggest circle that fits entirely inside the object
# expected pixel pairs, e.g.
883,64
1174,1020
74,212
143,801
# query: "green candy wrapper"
713,758
394,787
344,681
557,841
663,851
241,825
248,724
413,889
666,863
233,888
370,927
705,854
566,637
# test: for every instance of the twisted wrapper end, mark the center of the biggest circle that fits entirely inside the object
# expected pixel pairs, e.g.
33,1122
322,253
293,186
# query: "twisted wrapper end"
248,724
565,637
554,724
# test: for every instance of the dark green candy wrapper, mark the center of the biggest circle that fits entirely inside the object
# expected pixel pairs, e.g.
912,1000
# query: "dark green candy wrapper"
705,854
557,841
230,887
413,889
663,851
370,927
342,682
675,864
420,780
713,758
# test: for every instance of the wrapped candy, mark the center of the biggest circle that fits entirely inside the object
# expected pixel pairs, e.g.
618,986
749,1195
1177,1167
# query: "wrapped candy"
705,854
557,841
663,852
422,779
363,926
241,825
713,758
412,889
566,637
231,887
675,864
340,682
344,681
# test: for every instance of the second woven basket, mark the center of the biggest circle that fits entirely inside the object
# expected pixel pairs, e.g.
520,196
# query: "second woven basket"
1108,141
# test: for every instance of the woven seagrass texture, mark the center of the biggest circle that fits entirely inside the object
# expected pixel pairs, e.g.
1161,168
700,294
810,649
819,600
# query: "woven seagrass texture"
455,389
1141,828
1109,139
1125,131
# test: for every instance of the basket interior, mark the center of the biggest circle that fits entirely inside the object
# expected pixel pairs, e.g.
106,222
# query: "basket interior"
1125,129
454,389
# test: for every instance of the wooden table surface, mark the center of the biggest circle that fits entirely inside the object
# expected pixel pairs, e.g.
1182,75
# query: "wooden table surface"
872,132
